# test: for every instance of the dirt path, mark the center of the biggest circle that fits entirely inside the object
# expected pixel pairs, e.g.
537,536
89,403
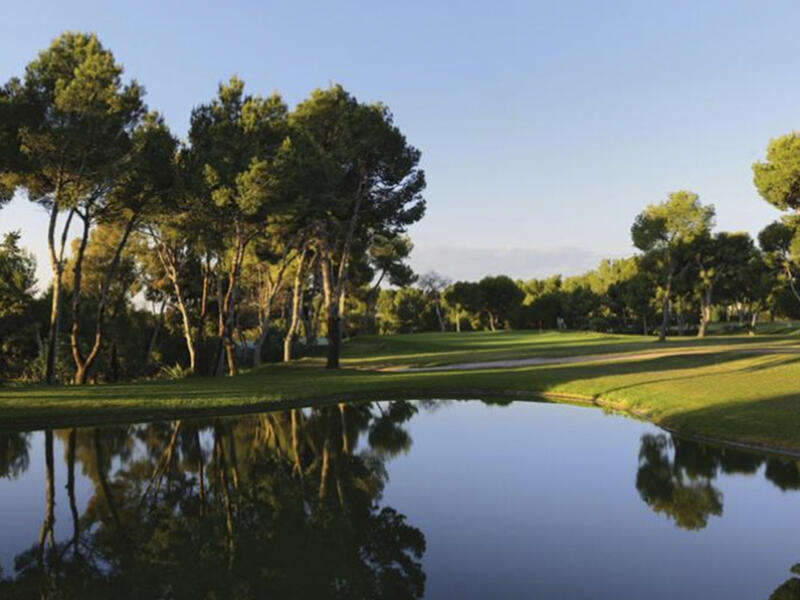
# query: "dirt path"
588,358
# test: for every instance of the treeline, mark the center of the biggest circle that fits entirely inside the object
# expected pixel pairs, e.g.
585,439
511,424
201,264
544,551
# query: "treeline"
200,255
685,277
268,229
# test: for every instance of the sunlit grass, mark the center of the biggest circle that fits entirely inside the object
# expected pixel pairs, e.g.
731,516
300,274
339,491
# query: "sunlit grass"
433,349
727,388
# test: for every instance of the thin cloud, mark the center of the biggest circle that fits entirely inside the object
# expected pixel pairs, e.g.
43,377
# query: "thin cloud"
469,263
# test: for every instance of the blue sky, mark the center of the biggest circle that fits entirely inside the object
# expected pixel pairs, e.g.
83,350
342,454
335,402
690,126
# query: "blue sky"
545,127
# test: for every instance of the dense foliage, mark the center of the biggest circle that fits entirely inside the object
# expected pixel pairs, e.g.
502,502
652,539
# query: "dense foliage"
19,335
265,222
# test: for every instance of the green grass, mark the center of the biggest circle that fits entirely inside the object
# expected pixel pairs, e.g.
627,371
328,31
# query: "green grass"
435,349
766,327
728,388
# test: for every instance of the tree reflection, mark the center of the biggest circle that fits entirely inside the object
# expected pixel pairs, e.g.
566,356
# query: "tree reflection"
14,457
675,476
284,504
789,589
678,487
784,473
675,479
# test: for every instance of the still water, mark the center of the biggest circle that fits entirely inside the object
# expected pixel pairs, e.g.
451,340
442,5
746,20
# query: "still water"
433,499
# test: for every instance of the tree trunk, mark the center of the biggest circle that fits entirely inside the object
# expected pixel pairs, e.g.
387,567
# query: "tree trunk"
308,310
219,356
334,336
370,319
705,311
343,314
77,270
297,295
227,337
273,291
230,305
52,337
151,346
458,321
336,290
57,268
332,312
204,300
187,329
82,367
316,316
265,306
662,335
438,310
171,270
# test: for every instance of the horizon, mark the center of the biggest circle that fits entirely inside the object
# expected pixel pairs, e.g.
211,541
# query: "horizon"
540,127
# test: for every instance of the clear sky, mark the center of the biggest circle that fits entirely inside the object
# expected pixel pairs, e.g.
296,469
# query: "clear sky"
545,127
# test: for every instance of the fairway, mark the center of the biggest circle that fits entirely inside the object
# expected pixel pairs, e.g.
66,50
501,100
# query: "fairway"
740,389
440,349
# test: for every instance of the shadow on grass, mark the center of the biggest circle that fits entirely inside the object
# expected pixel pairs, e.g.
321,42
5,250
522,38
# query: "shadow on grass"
769,423
674,363
279,386
304,381
425,353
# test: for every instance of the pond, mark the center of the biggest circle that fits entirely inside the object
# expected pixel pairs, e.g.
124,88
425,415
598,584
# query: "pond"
433,499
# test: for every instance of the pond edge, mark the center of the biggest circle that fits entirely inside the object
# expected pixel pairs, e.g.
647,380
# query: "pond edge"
126,416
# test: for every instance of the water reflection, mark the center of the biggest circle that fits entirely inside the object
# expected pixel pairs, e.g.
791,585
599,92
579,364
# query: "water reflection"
678,487
284,504
675,478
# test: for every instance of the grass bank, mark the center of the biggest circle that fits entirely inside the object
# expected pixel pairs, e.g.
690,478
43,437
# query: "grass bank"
743,389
